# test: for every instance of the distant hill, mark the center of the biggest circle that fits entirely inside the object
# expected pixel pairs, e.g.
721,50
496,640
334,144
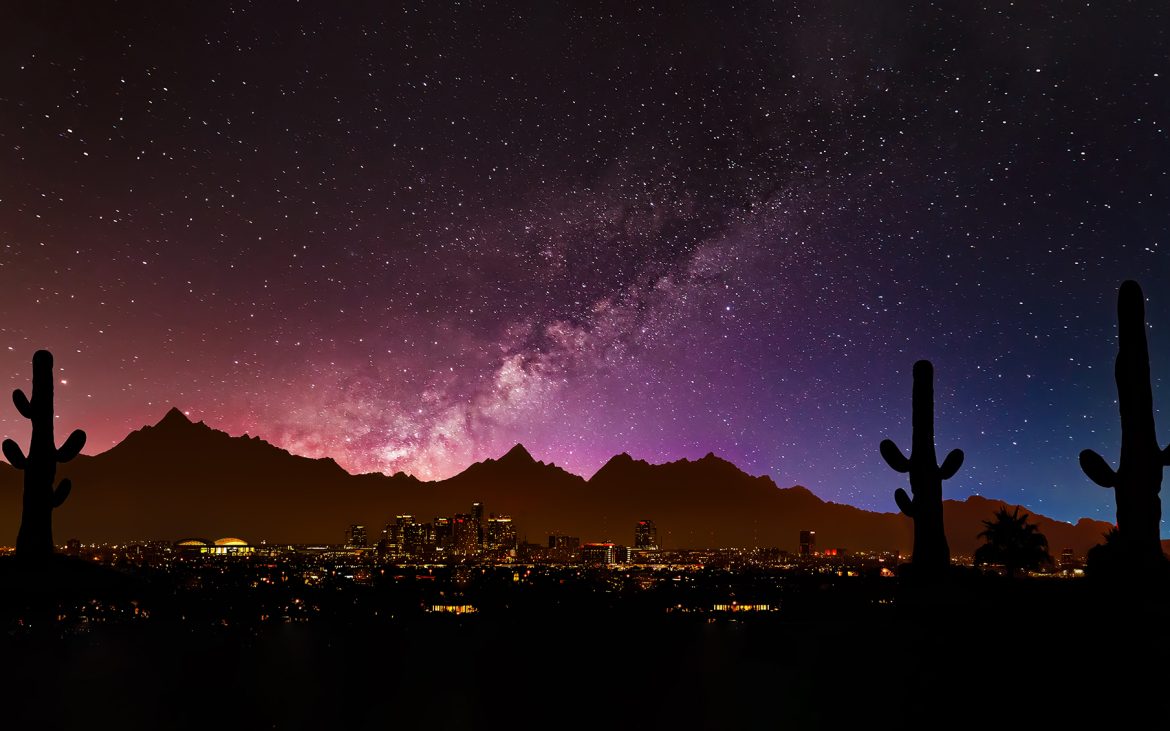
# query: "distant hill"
180,479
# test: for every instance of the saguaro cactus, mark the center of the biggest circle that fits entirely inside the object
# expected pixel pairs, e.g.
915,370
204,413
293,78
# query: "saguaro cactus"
1138,478
35,540
931,553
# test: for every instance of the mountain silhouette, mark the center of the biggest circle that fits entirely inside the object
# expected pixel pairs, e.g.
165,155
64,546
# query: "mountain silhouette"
180,479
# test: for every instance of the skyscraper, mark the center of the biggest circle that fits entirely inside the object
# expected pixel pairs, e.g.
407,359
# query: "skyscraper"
465,536
646,536
444,532
355,537
808,542
477,520
501,533
398,534
417,539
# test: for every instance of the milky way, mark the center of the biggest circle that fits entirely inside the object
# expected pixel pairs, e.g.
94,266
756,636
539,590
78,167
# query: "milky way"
408,239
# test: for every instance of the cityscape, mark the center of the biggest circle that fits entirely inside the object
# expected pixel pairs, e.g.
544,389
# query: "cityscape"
467,539
459,563
419,595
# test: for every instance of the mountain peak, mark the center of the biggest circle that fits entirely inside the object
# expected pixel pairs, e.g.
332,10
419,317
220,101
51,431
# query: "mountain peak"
713,461
619,464
174,417
517,454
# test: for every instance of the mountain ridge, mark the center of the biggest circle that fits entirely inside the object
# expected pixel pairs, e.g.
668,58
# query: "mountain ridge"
178,477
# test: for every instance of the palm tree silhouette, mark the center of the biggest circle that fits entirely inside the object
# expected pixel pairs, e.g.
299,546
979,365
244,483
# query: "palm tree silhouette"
1106,557
1012,542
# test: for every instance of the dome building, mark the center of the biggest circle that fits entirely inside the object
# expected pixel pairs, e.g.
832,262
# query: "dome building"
220,547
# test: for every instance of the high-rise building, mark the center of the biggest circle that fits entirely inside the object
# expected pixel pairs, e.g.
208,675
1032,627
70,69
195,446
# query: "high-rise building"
444,532
477,519
501,533
385,550
808,542
355,537
646,536
465,537
417,539
398,534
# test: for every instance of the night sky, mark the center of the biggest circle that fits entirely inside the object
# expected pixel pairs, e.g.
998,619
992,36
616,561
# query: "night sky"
408,239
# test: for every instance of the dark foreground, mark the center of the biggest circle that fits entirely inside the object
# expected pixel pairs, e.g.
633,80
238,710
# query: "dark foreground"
978,652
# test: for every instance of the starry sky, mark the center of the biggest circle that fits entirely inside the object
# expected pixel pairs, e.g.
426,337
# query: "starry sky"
409,238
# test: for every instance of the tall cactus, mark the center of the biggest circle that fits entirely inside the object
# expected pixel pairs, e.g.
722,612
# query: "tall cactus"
931,553
1138,478
35,540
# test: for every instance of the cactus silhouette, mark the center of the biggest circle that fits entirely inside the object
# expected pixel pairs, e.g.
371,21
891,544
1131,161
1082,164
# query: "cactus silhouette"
931,553
1138,478
35,540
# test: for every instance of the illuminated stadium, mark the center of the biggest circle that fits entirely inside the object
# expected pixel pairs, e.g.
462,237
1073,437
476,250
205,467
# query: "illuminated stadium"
221,547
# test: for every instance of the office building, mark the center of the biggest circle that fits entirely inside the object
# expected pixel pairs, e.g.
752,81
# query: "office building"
444,532
417,540
397,534
464,533
604,554
567,542
355,537
501,533
646,536
808,542
477,520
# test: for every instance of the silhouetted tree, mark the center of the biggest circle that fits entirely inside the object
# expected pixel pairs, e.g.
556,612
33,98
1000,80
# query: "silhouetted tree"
35,540
1012,542
931,553
1104,558
1138,478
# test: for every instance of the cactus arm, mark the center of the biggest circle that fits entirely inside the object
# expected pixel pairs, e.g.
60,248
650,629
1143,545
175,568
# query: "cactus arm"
72,446
893,456
905,504
13,454
951,464
62,492
22,404
1098,470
